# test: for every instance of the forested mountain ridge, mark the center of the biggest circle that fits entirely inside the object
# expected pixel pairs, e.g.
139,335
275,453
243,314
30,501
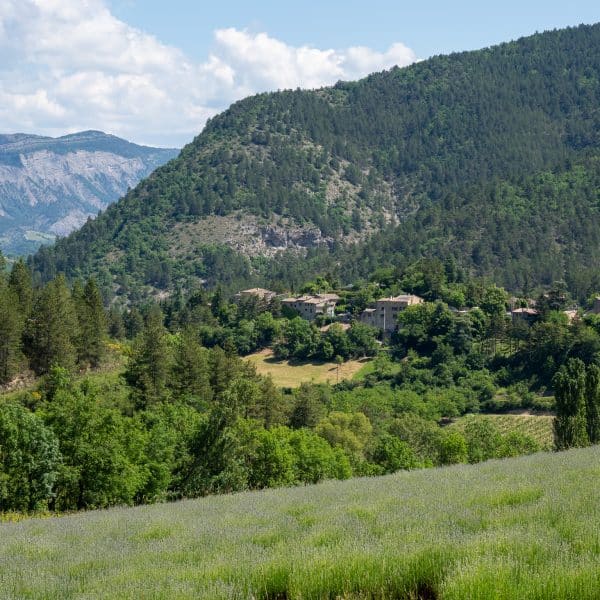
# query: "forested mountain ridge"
50,186
455,154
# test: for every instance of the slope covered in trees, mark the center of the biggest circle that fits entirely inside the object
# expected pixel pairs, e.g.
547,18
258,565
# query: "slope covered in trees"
490,155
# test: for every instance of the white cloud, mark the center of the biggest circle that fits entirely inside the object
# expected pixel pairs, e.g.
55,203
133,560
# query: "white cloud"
70,65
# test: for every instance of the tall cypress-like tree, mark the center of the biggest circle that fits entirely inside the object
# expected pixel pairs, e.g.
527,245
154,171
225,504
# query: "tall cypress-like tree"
52,329
592,403
570,424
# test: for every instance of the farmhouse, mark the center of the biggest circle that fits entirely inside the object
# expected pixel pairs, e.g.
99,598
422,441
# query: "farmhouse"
309,307
385,313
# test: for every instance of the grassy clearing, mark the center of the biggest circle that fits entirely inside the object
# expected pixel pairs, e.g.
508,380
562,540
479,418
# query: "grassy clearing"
539,427
291,373
519,528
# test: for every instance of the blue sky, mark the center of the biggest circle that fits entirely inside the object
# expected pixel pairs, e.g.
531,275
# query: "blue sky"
153,71
427,27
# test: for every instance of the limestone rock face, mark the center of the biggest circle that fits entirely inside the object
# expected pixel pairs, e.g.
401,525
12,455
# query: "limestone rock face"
51,186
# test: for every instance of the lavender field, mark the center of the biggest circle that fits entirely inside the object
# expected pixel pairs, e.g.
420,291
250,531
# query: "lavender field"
517,528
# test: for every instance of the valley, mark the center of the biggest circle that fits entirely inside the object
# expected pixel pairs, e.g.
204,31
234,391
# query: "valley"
345,344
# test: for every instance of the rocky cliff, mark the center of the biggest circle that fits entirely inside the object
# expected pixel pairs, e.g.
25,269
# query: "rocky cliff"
50,186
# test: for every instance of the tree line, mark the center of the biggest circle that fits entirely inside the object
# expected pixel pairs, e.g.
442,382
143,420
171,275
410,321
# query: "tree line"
152,402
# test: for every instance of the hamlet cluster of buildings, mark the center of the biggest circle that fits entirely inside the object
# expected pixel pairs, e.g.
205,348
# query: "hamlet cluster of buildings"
382,314
530,314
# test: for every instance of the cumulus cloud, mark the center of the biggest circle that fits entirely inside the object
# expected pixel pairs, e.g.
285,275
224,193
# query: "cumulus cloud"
70,65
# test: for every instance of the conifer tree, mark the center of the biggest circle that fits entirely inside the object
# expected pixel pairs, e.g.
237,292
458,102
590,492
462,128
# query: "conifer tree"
20,282
92,324
134,323
592,403
149,366
570,424
11,328
115,324
52,329
191,369
270,409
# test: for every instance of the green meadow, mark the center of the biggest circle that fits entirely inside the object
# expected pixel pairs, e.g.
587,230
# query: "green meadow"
523,528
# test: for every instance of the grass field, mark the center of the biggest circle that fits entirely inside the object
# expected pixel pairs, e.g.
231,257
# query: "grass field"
539,427
523,528
286,373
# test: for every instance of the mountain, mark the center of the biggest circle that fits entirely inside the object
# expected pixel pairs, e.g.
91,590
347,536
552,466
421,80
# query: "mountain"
50,186
489,157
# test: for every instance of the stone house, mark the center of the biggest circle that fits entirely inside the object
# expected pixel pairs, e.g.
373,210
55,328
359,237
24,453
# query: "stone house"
309,307
384,315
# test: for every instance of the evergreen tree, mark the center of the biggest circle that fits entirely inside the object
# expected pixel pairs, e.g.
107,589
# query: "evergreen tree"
269,408
569,383
115,324
149,366
191,370
134,323
92,325
20,282
308,408
52,329
11,328
592,403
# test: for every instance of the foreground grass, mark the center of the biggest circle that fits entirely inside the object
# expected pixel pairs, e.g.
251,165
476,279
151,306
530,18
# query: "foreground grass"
521,528
539,427
291,373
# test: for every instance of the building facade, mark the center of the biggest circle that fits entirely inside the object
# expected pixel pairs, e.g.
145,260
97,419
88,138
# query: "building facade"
310,307
384,315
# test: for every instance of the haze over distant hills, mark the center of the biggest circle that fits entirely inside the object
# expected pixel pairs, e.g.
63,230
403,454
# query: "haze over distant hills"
50,186
490,159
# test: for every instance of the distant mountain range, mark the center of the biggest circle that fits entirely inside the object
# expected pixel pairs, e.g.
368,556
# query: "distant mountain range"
50,186
489,160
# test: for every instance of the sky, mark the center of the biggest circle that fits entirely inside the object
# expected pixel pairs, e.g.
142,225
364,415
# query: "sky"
153,71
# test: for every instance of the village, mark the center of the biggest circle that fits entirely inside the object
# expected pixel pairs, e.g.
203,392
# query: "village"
383,313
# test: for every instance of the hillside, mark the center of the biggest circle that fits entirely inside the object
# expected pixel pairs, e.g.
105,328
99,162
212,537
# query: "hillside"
50,186
490,156
518,528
